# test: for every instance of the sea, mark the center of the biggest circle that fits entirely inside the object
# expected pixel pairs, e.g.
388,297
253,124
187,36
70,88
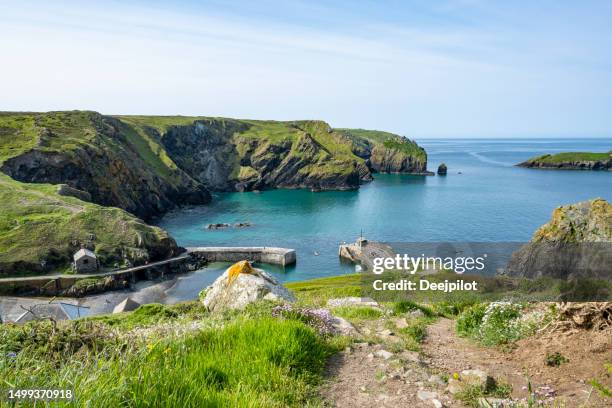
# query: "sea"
484,198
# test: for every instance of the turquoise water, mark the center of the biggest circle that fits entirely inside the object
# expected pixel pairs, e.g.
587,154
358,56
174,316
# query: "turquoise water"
490,201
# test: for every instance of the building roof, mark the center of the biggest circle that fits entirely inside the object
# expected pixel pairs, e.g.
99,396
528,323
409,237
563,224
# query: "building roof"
126,306
83,252
54,311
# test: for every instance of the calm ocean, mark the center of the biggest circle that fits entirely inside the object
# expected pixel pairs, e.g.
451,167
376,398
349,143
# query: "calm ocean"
484,198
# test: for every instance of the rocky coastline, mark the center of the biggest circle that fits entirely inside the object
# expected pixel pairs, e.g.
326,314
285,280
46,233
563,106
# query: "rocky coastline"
100,176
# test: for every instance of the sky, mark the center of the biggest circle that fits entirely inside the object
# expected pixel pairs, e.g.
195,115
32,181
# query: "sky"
430,68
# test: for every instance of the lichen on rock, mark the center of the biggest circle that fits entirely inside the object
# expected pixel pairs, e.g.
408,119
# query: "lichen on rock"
240,285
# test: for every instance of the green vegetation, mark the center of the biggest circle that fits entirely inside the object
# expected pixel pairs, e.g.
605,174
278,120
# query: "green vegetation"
37,224
471,395
356,313
155,356
571,157
602,389
555,359
389,140
317,291
500,322
126,162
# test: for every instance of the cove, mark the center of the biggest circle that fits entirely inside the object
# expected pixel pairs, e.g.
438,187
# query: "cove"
483,198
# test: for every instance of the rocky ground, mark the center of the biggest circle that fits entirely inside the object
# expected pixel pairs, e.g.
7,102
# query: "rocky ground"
375,372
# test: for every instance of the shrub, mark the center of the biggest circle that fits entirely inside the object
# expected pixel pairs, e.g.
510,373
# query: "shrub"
555,359
470,320
499,322
318,319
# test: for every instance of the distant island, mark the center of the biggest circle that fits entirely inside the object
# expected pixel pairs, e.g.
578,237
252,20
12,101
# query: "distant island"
571,161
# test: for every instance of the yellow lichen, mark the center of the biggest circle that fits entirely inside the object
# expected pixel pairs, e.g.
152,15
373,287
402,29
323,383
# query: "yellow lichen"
238,268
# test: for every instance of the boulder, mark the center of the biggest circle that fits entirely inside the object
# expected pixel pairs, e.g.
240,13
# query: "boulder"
442,169
343,327
242,284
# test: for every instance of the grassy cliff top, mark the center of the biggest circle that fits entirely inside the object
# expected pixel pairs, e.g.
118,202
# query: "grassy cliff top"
568,157
389,140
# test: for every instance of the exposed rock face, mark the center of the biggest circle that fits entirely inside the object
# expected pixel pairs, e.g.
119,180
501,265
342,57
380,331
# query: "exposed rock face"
112,170
389,160
148,165
242,284
221,154
571,161
577,242
442,169
388,153
66,190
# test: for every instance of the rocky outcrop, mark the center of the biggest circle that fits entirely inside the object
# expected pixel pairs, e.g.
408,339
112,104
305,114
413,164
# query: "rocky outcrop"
149,165
442,170
577,242
223,155
240,285
571,161
106,161
393,160
386,152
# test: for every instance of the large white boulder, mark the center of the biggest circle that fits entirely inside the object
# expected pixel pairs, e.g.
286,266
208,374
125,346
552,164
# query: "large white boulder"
242,284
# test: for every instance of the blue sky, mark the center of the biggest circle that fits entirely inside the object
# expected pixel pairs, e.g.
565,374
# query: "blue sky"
463,68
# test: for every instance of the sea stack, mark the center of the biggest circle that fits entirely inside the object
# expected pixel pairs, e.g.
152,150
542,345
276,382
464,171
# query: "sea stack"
442,170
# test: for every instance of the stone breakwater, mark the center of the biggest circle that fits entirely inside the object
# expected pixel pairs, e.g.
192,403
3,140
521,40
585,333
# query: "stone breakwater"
270,255
79,285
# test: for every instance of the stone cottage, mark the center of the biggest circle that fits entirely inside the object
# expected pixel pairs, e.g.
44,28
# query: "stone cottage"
85,261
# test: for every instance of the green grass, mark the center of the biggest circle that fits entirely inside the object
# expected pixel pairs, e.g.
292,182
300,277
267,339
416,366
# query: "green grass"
416,332
571,157
318,291
472,394
37,224
356,313
389,140
242,360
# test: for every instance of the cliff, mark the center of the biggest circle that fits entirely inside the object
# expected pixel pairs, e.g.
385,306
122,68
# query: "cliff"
40,230
243,155
83,162
571,161
576,242
99,155
386,152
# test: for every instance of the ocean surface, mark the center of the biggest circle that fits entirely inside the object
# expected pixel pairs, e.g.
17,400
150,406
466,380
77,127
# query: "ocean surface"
484,198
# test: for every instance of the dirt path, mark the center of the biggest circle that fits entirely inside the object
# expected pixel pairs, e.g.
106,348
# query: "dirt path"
366,376
569,383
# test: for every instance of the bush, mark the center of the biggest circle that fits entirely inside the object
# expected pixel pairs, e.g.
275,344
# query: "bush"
470,320
555,359
498,322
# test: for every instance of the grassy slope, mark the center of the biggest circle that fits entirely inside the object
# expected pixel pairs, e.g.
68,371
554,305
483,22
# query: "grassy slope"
151,358
568,157
35,222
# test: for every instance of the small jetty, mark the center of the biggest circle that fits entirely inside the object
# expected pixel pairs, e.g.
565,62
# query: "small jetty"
363,252
58,285
270,255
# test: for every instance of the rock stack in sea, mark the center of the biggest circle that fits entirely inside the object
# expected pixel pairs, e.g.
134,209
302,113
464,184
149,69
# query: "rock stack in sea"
442,169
